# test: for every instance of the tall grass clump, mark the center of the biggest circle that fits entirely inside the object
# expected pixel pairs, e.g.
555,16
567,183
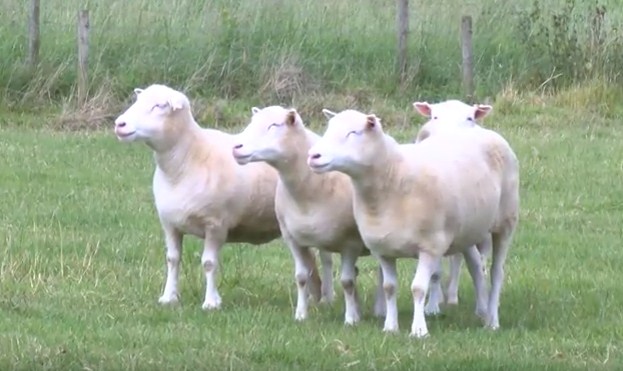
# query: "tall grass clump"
259,50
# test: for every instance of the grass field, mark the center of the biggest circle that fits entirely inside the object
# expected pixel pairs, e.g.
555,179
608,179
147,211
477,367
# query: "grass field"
284,51
81,251
83,264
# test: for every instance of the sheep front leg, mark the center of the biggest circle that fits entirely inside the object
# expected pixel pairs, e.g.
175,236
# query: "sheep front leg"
173,242
474,265
326,290
456,261
349,284
390,287
427,264
209,261
302,272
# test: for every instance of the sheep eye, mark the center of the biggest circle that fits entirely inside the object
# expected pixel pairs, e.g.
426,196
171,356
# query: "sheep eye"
470,119
273,125
351,132
434,117
159,105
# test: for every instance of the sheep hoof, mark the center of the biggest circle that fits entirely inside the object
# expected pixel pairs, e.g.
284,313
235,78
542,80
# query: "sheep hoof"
170,299
432,311
419,334
327,299
452,301
390,329
379,309
211,304
300,317
482,314
351,320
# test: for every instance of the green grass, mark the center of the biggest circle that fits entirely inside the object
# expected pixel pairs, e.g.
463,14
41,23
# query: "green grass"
285,51
82,264
82,256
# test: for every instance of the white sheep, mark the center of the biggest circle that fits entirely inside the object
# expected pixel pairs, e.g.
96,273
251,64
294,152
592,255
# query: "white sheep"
314,210
198,187
425,200
449,114
446,115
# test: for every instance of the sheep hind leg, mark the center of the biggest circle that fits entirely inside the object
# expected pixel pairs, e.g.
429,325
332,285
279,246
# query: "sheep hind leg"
456,261
500,246
435,294
474,266
327,294
314,283
379,295
484,248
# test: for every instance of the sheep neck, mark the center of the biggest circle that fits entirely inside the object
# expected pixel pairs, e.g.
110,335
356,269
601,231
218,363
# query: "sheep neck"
379,178
296,176
173,160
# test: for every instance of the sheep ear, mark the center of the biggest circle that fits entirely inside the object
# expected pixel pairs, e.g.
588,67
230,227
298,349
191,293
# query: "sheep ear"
177,101
254,110
138,91
291,117
423,108
372,122
482,110
328,114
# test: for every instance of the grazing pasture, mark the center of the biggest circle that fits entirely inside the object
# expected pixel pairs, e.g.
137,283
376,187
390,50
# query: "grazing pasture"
82,264
82,252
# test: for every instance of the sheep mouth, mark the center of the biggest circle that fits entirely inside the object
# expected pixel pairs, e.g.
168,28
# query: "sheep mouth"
319,167
125,135
242,157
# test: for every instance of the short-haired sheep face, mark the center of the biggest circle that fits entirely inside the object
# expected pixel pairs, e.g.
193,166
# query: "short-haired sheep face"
313,210
263,139
349,144
449,114
198,187
426,200
146,120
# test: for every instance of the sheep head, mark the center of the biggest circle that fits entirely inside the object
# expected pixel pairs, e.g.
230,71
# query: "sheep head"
349,144
449,115
154,116
267,136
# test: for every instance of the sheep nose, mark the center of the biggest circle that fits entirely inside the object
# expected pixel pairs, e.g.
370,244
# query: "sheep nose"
120,124
315,156
238,146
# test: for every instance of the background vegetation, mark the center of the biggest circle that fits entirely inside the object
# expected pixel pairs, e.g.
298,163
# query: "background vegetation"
306,53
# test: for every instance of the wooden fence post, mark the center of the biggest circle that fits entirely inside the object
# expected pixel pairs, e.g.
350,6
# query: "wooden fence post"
83,54
402,22
468,58
33,34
